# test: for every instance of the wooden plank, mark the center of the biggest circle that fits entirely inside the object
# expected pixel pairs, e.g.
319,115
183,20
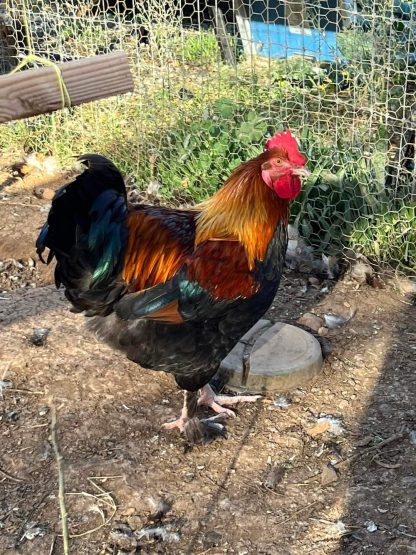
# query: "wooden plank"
36,91
243,25
221,32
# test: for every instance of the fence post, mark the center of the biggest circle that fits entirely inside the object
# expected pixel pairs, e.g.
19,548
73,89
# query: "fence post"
221,32
8,50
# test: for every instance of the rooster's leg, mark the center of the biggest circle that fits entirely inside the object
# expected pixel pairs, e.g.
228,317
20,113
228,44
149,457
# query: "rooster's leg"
195,430
180,422
208,398
190,403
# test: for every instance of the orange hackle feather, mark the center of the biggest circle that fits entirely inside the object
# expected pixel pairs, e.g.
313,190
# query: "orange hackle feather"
244,209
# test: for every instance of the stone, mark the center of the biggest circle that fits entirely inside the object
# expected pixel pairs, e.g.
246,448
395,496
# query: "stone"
274,477
311,321
211,539
329,475
318,429
44,193
283,357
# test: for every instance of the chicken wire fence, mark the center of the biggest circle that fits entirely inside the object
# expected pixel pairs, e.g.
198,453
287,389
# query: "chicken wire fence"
213,79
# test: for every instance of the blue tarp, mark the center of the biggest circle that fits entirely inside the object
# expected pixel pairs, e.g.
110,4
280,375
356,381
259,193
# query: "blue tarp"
273,36
279,41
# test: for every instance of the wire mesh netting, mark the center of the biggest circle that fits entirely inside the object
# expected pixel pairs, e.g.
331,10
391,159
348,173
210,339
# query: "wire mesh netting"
213,79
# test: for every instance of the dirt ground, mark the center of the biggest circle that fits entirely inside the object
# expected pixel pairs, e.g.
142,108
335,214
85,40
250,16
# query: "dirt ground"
282,483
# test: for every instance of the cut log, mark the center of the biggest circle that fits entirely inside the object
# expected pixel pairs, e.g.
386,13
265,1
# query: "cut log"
36,91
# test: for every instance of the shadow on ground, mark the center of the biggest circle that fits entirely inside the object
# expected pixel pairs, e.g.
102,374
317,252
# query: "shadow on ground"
381,507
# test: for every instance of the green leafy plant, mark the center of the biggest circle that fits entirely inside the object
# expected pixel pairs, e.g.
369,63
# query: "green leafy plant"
194,118
299,71
200,48
196,158
341,189
387,236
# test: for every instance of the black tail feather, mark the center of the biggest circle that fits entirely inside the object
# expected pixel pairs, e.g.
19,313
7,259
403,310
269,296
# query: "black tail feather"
86,232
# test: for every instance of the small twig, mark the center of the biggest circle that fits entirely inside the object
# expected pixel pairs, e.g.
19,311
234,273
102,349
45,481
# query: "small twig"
380,445
356,456
406,534
98,497
107,477
269,490
384,464
52,545
22,204
261,487
9,476
61,480
26,391
104,523
215,483
7,368
405,302
92,495
296,513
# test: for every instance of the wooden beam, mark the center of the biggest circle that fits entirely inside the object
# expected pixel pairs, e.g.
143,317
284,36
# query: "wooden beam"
244,28
221,32
36,91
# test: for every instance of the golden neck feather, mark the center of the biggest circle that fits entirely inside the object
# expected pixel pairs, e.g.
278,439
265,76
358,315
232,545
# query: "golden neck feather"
244,209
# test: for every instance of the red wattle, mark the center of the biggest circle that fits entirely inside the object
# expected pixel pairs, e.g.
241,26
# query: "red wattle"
287,186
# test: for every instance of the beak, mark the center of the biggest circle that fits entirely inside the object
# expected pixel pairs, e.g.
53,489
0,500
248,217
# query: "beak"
301,171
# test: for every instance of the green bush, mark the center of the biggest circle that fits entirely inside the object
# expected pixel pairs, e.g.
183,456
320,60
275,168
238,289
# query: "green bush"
341,189
299,71
196,158
388,236
190,47
200,48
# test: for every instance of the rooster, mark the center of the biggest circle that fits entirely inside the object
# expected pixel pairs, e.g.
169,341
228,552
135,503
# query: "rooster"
176,289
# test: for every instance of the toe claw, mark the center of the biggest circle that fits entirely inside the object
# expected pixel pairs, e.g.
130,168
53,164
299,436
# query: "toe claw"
229,412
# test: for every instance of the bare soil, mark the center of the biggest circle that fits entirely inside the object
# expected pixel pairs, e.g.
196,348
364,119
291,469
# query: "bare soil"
349,489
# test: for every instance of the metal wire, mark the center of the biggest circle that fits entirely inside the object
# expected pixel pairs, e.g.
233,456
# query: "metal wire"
212,79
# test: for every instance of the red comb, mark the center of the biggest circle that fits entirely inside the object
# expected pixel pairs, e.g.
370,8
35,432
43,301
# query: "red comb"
285,140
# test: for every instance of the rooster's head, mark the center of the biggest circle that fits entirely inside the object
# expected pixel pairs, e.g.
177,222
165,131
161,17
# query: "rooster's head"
285,165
